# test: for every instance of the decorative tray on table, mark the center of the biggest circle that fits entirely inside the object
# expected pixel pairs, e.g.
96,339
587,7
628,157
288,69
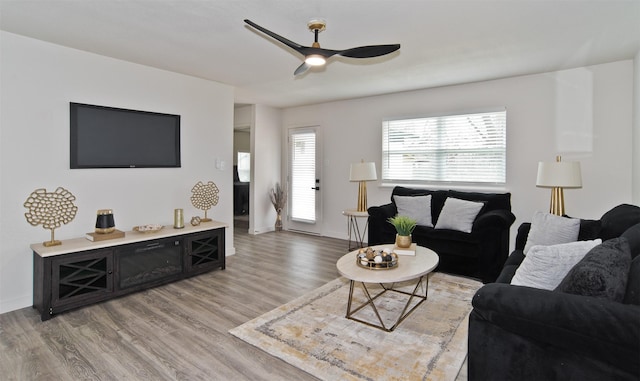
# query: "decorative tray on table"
150,228
380,259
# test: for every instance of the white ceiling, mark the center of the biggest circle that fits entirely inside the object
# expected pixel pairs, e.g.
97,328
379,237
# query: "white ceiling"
444,42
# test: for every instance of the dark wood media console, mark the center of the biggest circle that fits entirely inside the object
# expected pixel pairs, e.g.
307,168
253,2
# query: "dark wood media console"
81,272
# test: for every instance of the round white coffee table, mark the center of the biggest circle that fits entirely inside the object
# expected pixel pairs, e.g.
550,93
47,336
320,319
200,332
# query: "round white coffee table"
409,267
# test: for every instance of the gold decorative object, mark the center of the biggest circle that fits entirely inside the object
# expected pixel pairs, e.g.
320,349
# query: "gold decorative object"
195,221
403,241
204,197
178,219
372,259
51,210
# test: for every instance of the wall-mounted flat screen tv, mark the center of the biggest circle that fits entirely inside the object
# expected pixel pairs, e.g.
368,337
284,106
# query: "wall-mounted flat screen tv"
108,137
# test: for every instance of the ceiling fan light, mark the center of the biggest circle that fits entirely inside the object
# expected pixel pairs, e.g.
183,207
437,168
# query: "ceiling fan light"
315,60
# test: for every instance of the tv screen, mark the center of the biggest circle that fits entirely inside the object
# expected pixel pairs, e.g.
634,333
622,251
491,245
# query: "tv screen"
107,137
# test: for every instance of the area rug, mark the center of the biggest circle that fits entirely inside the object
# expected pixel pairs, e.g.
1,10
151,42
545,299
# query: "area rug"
313,334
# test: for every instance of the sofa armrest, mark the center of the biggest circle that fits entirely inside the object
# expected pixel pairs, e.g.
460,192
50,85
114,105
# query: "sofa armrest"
500,218
593,327
382,212
523,234
381,231
491,232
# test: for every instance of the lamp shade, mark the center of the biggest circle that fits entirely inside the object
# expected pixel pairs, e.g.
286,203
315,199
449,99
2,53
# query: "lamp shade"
363,172
559,174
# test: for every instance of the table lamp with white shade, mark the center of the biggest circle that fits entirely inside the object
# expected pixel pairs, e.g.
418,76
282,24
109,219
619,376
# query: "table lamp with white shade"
557,176
362,172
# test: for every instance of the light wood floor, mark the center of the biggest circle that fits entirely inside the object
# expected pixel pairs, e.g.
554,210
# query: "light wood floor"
178,331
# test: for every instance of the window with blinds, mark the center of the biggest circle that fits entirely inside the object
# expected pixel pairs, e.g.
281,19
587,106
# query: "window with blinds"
468,148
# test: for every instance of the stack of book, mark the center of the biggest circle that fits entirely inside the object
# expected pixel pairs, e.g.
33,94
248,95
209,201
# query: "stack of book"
411,250
95,237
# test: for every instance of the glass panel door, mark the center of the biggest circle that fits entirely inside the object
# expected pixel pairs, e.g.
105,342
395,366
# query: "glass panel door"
304,180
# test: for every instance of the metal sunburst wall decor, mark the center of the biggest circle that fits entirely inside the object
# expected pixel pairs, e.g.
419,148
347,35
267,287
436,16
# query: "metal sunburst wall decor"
204,197
51,210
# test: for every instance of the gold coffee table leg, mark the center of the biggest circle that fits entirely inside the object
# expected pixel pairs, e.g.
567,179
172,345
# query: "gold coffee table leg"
370,302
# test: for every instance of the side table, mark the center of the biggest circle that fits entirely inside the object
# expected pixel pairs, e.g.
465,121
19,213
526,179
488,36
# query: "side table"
353,228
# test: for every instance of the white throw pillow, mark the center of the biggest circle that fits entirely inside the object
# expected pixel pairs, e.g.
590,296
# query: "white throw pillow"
458,214
546,266
416,207
548,229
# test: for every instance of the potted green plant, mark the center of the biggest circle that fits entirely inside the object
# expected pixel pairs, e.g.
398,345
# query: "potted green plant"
404,227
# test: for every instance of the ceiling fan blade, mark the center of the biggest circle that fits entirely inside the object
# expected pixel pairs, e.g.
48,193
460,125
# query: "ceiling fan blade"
369,51
295,46
301,69
311,52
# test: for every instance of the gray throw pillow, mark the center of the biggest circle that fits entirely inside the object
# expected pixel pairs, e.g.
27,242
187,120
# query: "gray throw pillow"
416,207
602,273
458,214
546,266
549,229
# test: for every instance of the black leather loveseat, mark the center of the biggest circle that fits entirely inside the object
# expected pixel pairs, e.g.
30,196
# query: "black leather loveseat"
480,253
526,333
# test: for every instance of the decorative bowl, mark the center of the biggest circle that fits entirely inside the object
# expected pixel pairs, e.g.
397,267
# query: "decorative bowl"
371,259
149,228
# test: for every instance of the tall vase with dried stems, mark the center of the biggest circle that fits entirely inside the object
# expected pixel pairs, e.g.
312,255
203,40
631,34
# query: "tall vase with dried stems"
278,198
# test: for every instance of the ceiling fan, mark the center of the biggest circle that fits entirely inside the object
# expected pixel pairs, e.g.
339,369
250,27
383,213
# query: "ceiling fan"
314,55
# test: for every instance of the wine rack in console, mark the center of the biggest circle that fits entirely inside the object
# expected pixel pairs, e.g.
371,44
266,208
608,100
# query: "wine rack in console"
80,272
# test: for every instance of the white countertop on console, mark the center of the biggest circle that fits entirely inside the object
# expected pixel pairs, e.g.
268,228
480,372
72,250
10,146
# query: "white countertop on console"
82,244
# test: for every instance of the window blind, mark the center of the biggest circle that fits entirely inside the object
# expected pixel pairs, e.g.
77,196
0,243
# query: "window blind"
303,175
468,148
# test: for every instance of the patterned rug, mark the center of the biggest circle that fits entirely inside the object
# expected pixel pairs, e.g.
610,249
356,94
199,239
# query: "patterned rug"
313,334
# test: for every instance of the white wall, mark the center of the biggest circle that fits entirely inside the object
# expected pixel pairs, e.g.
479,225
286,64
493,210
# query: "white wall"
243,116
541,114
266,147
266,165
38,80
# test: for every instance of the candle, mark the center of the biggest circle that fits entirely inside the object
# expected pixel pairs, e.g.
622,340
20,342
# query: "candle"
178,219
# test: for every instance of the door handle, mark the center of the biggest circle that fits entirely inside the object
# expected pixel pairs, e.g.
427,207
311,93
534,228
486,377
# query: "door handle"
316,188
